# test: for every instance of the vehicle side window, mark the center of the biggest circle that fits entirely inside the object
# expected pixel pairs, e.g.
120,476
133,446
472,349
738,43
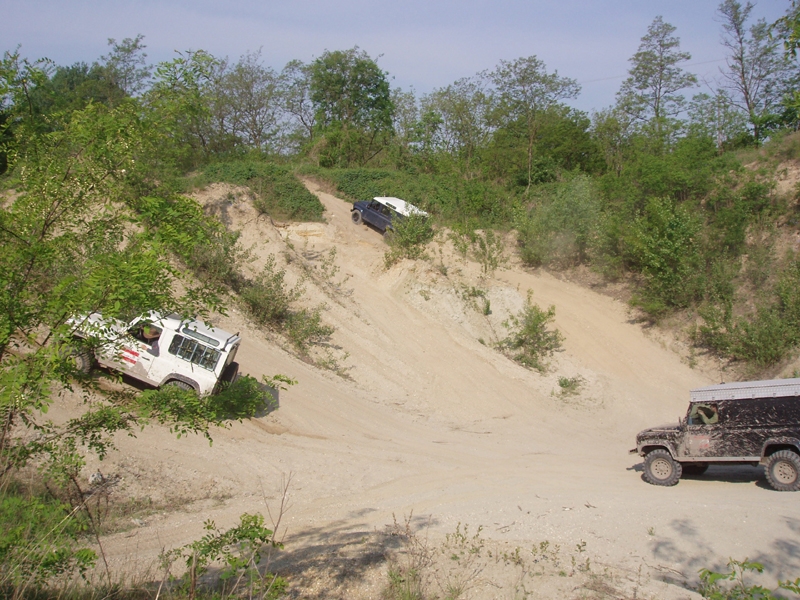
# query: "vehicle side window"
704,414
146,333
195,352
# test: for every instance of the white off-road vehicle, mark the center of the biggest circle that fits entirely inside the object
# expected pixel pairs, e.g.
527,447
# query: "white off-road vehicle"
159,350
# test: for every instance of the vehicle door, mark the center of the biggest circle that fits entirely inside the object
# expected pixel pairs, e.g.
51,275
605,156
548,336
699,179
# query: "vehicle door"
134,351
377,215
703,431
746,426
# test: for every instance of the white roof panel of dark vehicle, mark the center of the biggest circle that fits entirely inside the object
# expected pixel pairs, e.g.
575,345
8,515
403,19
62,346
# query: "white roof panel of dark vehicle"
401,206
741,390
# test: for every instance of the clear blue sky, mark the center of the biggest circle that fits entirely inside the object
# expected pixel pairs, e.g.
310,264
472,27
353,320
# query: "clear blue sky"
421,43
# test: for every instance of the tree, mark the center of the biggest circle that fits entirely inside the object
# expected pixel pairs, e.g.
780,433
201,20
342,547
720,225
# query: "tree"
755,69
250,95
182,96
716,117
650,95
296,85
457,120
526,91
125,67
353,106
73,244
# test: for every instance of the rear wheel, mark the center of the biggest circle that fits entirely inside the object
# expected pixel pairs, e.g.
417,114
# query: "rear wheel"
388,236
356,216
661,469
783,471
82,359
231,373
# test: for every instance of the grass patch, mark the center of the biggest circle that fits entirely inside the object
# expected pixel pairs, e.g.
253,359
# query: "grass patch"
277,191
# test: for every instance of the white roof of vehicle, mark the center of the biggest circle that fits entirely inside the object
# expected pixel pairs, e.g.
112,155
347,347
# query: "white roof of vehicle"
742,390
205,334
400,206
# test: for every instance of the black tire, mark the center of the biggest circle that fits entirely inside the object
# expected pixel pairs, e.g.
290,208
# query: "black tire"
388,236
230,373
83,359
661,469
181,385
694,469
783,471
356,216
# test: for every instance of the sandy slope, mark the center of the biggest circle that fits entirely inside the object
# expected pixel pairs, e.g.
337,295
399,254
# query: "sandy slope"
424,418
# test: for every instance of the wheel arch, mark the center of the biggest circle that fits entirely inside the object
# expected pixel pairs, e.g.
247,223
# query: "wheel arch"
179,377
649,447
773,445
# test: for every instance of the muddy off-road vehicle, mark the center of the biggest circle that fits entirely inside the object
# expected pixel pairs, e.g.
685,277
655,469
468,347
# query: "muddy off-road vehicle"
381,211
159,350
755,422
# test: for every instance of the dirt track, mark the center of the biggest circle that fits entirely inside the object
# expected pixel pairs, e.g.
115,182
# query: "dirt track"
429,420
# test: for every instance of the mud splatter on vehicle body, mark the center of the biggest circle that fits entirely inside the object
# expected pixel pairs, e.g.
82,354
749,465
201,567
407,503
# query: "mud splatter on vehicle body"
753,423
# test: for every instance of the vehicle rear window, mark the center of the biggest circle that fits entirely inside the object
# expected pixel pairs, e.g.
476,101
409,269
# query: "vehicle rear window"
195,352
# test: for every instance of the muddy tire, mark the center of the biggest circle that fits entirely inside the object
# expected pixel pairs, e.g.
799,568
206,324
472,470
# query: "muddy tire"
82,359
181,385
694,469
231,373
356,216
661,469
783,471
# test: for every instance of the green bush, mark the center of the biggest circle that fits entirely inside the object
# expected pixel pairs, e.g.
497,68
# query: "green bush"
764,337
663,246
408,238
39,542
530,341
267,299
277,191
562,225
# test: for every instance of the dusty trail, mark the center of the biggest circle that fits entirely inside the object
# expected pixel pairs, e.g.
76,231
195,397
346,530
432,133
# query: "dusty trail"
430,420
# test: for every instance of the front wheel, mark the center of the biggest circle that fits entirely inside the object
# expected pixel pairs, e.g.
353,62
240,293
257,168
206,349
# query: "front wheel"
181,385
783,471
661,469
356,216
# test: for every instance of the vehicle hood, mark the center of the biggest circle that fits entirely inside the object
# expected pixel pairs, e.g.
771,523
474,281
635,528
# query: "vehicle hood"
668,430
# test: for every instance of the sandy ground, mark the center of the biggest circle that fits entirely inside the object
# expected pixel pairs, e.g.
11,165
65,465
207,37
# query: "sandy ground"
420,416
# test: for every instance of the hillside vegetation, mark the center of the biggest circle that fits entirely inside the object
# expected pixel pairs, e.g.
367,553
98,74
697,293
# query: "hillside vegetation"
689,199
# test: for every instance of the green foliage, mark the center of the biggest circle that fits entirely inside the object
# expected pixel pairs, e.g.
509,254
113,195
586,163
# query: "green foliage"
240,550
663,246
711,588
448,197
354,107
408,238
562,226
530,341
39,541
570,385
278,192
267,298
269,302
764,337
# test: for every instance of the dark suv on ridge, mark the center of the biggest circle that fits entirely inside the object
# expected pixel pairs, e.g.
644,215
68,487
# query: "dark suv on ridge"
381,211
756,422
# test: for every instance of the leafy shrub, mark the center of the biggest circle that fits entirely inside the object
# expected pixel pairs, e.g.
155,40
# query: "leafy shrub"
267,299
764,337
739,590
562,227
408,239
240,550
305,327
530,341
278,192
38,542
663,246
